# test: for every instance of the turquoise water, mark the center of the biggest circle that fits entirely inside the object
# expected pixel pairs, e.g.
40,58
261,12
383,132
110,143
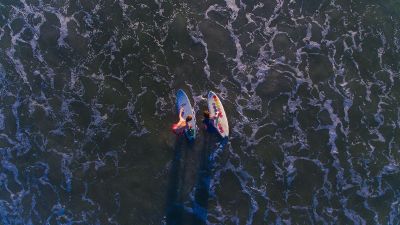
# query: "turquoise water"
87,99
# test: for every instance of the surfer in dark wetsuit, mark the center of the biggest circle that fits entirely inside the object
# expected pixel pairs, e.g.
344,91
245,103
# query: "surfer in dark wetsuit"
208,121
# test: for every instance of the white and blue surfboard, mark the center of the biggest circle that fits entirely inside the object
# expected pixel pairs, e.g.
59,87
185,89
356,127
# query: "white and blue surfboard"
182,100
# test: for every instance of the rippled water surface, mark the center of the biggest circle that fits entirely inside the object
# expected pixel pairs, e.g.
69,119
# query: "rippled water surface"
87,98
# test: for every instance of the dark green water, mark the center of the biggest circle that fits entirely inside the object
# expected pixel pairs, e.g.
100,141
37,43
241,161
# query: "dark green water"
87,99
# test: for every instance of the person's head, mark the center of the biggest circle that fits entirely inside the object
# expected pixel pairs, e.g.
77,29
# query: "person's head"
188,118
206,114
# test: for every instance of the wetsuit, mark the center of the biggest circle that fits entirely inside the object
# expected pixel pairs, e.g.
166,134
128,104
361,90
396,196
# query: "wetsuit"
209,123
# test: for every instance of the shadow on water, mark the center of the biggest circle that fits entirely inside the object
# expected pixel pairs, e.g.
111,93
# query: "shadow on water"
174,205
212,145
176,213
202,189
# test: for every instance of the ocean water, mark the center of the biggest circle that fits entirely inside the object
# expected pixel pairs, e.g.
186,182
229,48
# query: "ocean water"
87,98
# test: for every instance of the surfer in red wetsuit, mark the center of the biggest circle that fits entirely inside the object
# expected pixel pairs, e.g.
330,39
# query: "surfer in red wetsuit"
182,125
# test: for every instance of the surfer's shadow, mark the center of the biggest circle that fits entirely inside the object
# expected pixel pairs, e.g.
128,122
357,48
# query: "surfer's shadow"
173,199
209,154
178,185
193,210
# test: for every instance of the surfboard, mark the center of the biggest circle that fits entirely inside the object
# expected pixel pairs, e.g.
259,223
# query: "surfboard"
214,106
182,100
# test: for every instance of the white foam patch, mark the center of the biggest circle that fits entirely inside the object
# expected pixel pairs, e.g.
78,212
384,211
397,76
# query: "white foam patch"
64,20
197,37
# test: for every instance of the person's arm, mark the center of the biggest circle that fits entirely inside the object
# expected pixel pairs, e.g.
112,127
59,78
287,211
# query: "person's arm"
180,114
204,124
216,116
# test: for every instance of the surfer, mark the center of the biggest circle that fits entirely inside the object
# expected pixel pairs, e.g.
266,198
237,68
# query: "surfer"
209,121
183,124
